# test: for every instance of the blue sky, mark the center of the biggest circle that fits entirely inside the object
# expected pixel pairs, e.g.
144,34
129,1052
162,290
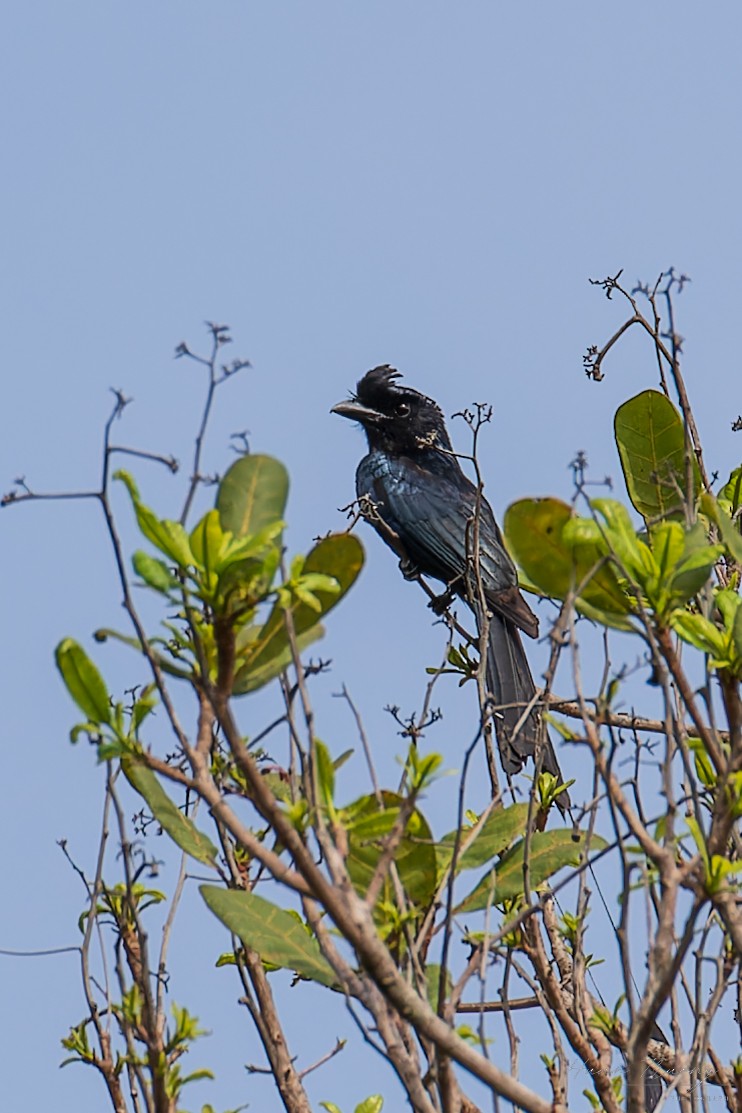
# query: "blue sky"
425,184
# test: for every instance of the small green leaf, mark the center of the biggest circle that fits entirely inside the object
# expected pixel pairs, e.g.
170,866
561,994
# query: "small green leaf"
373,1104
699,632
668,545
652,447
83,681
167,536
728,529
144,705
252,495
153,571
730,496
623,541
432,984
736,627
339,556
104,633
197,1076
704,768
325,773
179,827
208,541
692,573
276,935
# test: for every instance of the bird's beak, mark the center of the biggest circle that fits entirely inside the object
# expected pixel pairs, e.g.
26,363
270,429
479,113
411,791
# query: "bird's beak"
356,412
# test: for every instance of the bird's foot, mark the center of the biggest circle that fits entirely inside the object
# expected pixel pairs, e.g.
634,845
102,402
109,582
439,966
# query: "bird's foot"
439,604
409,569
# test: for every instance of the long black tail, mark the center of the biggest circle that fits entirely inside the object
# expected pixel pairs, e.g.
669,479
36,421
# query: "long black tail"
511,684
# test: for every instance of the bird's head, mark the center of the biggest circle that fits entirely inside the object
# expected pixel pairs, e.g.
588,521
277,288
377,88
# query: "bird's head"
395,418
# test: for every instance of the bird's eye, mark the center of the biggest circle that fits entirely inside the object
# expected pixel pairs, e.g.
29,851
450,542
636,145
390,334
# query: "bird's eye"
403,410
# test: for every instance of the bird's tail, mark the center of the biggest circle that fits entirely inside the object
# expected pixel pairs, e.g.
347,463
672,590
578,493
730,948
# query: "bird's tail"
511,684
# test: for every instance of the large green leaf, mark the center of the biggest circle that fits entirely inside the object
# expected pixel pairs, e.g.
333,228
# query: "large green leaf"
367,824
558,552
277,936
250,676
179,827
550,851
341,556
252,494
498,831
83,681
652,447
534,533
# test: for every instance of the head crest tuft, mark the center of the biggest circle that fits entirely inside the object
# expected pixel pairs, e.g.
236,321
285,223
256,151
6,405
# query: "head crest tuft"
377,384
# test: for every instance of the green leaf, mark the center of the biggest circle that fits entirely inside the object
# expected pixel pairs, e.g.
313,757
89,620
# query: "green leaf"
693,573
728,529
704,768
534,533
154,572
253,545
623,541
498,831
736,628
340,556
144,705
167,536
252,495
276,935
367,825
550,852
104,633
83,681
179,827
558,552
208,541
730,496
245,583
373,1104
250,677
668,545
651,444
325,773
432,984
701,633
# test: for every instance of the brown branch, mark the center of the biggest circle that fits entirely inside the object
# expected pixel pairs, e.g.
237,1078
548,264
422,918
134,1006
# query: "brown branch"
595,1063
620,720
265,1017
664,641
498,1006
353,918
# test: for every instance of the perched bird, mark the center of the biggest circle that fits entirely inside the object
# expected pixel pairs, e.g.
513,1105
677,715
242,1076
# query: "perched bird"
424,508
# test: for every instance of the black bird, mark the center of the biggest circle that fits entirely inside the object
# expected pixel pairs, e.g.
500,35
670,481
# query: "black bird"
426,506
